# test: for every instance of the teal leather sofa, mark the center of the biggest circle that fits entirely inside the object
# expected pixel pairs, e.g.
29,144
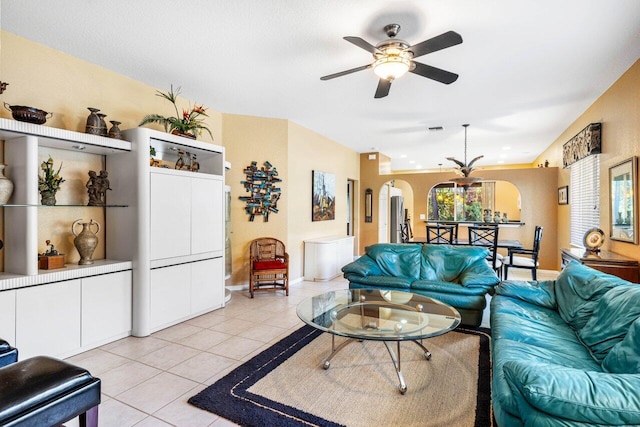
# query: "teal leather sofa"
566,352
456,275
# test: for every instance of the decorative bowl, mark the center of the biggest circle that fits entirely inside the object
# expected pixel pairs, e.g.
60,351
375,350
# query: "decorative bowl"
28,114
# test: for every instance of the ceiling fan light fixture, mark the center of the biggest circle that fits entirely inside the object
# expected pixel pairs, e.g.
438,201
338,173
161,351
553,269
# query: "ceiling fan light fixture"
391,67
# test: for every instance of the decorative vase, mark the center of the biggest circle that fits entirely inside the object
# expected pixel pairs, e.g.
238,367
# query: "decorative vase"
496,217
93,122
85,241
6,186
115,132
184,134
48,198
505,218
487,215
103,124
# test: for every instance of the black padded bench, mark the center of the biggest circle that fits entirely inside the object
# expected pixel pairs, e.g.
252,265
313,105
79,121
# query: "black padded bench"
8,354
43,391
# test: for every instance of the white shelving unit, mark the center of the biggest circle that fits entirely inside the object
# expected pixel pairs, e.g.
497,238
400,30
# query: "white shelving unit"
177,222
53,312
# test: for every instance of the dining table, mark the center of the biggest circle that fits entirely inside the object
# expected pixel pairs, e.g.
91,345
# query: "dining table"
502,243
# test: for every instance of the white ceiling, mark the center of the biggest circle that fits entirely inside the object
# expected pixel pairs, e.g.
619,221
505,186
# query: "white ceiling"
528,68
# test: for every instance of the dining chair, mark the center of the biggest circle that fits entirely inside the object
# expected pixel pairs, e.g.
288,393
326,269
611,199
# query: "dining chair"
451,224
404,232
440,234
487,236
525,258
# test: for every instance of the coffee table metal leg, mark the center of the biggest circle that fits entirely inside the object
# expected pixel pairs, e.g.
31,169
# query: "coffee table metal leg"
335,350
427,353
396,362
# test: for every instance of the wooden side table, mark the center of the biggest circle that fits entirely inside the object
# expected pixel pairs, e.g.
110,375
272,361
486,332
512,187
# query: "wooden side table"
605,261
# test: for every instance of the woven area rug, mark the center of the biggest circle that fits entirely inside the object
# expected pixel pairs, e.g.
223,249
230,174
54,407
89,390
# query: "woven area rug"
286,386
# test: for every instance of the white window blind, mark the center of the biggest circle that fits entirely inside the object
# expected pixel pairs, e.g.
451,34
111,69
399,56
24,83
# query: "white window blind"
584,197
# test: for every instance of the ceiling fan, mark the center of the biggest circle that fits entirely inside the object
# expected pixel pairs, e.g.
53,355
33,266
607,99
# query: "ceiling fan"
394,57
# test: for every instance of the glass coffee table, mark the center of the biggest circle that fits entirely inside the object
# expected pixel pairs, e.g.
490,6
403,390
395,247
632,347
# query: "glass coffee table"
378,315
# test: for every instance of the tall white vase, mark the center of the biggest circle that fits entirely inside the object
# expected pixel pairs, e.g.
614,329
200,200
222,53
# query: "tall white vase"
6,186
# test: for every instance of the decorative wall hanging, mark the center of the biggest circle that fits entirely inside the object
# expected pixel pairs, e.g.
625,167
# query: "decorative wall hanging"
368,205
324,195
260,183
587,142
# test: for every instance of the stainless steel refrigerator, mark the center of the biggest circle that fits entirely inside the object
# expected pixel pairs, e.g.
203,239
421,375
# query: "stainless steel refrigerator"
396,219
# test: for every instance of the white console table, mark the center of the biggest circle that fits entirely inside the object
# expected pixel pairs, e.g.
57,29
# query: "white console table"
324,257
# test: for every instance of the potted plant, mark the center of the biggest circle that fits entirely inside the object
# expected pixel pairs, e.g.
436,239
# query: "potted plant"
49,182
189,124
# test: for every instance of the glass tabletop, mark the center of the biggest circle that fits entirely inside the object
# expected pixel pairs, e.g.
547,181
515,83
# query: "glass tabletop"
375,314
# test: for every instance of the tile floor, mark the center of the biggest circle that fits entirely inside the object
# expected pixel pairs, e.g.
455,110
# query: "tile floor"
147,381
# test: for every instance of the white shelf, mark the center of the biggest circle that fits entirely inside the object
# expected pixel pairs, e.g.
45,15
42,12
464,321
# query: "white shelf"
62,138
69,272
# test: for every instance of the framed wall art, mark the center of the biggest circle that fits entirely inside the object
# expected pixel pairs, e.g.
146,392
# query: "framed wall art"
624,201
323,196
563,195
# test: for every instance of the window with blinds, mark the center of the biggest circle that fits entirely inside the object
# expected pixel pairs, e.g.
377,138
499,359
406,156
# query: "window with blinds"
584,197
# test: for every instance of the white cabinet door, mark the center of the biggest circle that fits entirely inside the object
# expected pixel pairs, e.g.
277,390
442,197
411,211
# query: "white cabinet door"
206,215
207,285
170,216
106,307
8,316
170,294
48,319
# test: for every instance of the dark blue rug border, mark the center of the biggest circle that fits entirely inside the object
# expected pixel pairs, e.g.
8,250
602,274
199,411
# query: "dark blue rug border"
229,397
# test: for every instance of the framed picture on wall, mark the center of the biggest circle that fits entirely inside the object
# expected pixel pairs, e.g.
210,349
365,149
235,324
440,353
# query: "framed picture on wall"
563,195
323,205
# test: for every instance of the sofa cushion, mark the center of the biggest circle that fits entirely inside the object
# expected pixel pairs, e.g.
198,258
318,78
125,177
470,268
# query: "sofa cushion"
269,265
578,289
538,293
539,332
624,357
573,394
446,262
396,260
615,312
446,287
400,283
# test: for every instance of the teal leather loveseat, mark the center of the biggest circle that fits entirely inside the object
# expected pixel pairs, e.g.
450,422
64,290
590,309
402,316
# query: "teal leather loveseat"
566,352
456,275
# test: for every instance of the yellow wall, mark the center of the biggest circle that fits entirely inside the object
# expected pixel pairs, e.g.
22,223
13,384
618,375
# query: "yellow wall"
537,187
507,196
618,109
295,152
48,79
310,151
254,139
53,81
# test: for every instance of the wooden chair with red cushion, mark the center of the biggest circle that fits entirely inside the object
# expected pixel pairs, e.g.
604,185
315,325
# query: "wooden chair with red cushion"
268,265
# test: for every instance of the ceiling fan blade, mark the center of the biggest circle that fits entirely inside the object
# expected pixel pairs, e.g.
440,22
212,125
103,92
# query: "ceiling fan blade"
363,44
344,73
443,41
434,73
383,88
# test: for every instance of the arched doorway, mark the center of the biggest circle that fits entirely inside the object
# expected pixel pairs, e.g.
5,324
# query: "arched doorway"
395,205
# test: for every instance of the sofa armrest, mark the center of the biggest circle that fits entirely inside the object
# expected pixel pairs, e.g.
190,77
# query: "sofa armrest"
478,275
577,395
538,293
363,266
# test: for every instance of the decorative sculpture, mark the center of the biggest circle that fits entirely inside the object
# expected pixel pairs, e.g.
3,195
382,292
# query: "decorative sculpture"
97,187
264,194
